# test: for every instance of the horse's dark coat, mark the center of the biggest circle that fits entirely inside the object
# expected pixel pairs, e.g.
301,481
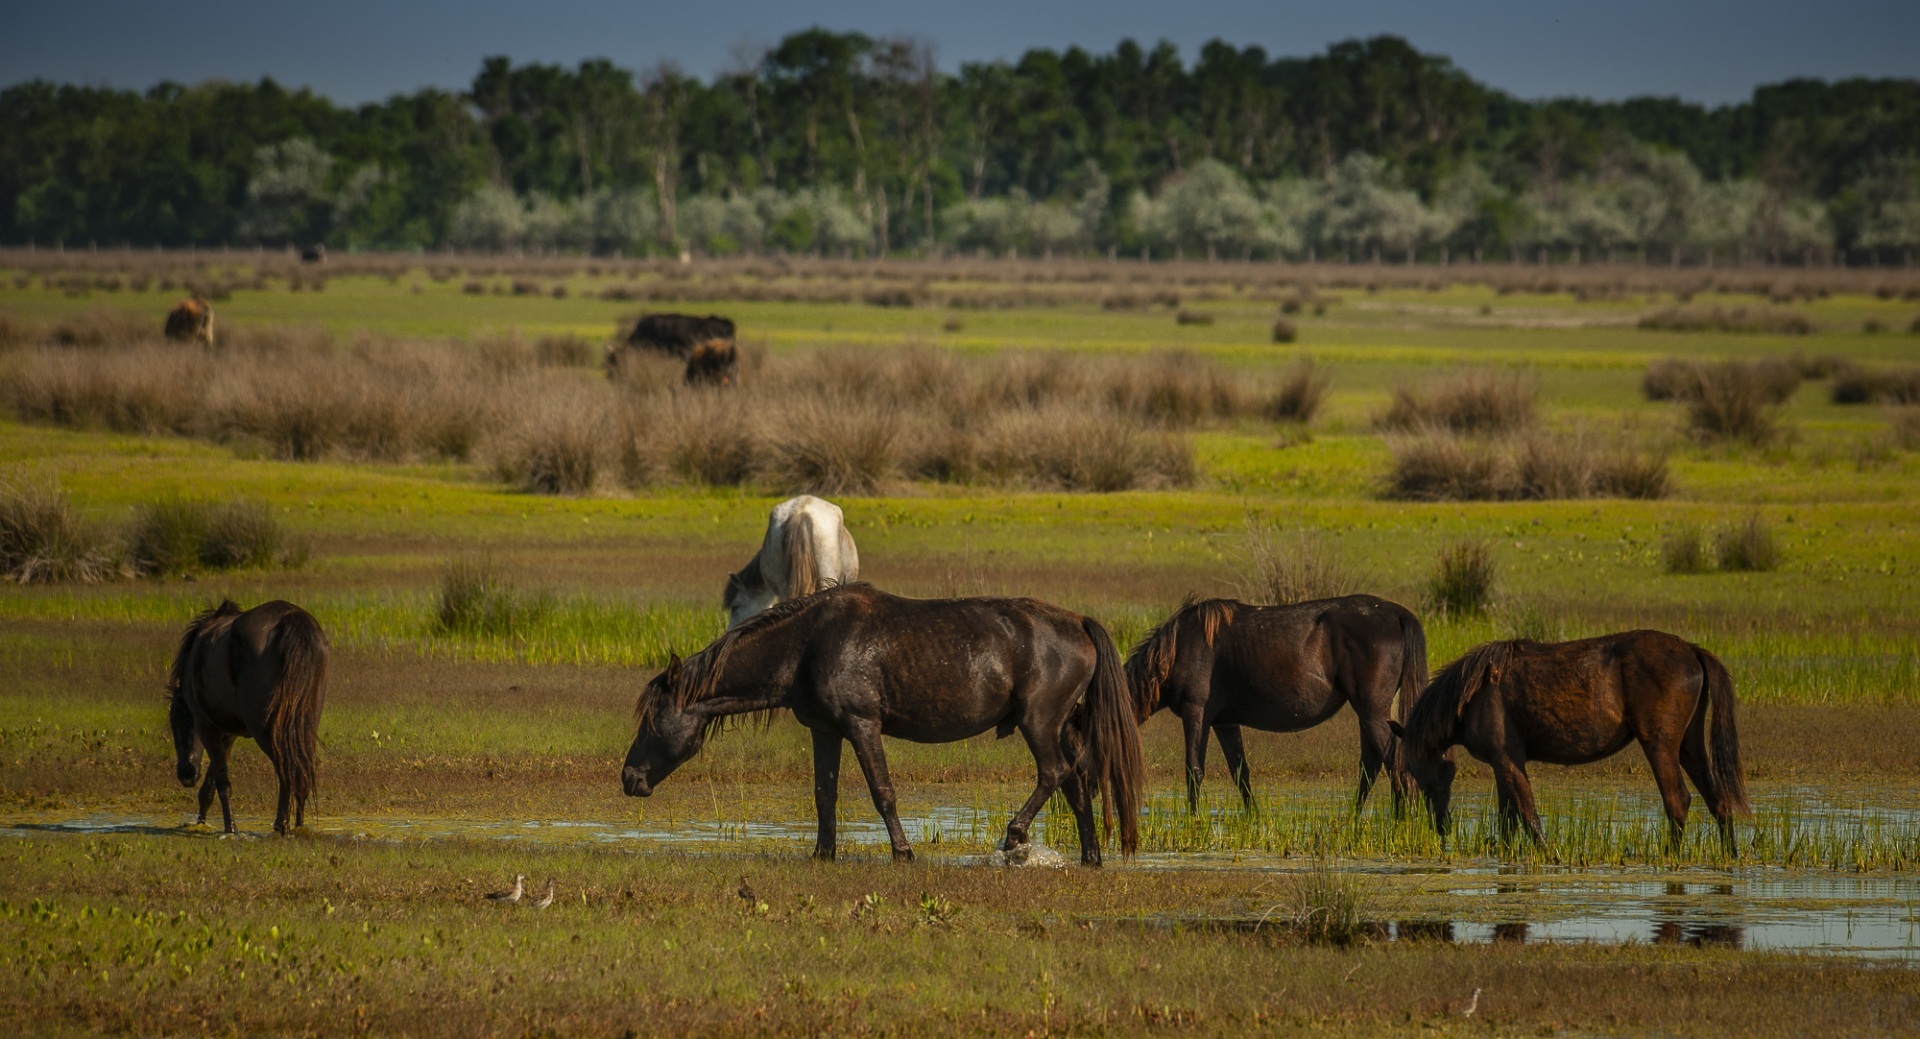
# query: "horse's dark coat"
1570,703
677,334
855,664
259,673
1219,665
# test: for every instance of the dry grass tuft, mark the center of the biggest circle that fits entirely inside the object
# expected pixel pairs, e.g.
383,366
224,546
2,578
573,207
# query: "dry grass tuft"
42,540
1465,402
1290,566
1905,422
1854,384
1683,550
1439,465
1284,331
1735,400
474,601
1302,390
1747,320
181,536
1747,545
1462,580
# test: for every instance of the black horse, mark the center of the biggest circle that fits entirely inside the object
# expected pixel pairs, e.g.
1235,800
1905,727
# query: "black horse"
1570,703
855,664
1219,664
261,673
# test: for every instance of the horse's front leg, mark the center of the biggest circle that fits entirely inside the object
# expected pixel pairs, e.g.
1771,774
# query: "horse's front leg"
1235,752
217,753
1194,725
827,745
206,796
865,737
1516,799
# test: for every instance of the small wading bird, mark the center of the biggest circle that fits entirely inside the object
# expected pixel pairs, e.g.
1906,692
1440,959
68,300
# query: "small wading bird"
746,892
545,900
512,894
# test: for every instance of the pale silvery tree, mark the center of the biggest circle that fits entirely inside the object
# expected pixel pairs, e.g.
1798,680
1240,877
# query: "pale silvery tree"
288,184
490,219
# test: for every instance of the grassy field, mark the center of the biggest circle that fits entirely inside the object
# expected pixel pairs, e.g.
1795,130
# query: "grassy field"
155,930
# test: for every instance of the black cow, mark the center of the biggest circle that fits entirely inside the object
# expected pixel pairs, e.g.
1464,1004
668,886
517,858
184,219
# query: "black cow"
677,334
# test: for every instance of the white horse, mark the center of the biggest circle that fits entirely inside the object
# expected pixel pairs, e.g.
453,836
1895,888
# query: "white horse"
807,548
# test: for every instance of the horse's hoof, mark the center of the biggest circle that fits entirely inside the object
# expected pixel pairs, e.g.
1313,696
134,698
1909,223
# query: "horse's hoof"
903,854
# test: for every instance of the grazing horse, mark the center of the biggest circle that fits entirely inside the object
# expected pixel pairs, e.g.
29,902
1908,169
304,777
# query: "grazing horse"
191,320
855,664
807,548
1219,665
678,334
1570,703
715,362
259,673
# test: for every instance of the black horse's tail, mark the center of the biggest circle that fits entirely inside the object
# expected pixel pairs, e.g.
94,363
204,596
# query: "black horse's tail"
1413,678
1113,738
293,706
1729,778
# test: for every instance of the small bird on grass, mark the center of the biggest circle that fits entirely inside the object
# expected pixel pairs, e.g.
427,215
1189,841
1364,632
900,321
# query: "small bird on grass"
746,892
544,900
511,895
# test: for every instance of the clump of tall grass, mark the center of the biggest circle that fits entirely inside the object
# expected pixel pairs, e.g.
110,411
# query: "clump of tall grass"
563,448
1749,320
1747,545
828,447
1469,401
1905,423
1462,580
1290,566
1284,330
1439,465
179,536
564,351
1683,550
43,540
475,601
1326,906
1684,380
1302,390
1734,401
1854,384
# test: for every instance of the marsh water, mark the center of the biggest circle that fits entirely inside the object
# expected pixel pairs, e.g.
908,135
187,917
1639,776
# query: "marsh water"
1756,907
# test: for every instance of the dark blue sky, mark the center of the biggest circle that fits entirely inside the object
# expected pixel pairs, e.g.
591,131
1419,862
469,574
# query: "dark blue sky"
355,50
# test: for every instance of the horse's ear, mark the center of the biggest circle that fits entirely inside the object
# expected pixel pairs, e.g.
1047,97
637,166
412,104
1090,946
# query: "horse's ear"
673,666
1395,727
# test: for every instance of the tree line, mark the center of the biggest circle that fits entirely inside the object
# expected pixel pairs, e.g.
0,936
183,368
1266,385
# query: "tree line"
846,144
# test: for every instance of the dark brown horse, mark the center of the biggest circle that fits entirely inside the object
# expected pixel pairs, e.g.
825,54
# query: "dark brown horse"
855,664
1569,703
259,673
1219,665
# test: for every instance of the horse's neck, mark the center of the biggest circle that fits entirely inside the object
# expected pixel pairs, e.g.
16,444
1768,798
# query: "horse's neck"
757,675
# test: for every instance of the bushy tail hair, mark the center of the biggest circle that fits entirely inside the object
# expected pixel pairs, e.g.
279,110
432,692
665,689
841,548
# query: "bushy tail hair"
803,577
1728,777
293,707
1112,752
1413,678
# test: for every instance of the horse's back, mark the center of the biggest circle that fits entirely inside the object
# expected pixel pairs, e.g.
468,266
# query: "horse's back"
834,561
1585,699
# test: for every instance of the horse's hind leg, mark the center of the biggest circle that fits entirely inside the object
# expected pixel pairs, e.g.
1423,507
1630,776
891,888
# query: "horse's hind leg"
1235,751
1051,765
206,796
1080,799
1693,758
1664,759
865,737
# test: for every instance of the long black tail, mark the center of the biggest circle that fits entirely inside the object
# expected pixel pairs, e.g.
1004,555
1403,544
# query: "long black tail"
1113,738
1724,732
1413,678
293,707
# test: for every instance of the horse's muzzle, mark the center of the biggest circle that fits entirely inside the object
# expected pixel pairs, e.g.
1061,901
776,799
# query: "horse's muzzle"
188,775
635,783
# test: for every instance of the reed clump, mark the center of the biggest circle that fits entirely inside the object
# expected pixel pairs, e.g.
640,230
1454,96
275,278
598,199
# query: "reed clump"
1298,565
1440,465
1715,318
1748,544
183,536
1483,402
1857,384
1461,583
475,601
42,539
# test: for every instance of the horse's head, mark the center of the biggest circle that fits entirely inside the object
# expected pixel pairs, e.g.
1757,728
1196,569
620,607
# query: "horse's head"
186,741
1431,768
745,595
669,734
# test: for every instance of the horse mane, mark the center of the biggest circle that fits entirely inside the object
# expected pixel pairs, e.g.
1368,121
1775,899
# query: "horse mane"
700,672
1152,658
1435,713
177,675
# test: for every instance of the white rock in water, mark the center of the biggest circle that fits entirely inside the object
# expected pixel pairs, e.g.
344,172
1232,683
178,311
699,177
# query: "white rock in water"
1030,854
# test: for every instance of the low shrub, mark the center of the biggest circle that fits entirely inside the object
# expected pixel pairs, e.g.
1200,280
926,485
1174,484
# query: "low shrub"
1439,465
42,540
1683,550
182,536
1679,379
1905,422
1854,384
1302,389
1462,578
1750,320
1733,400
1289,566
1193,317
1465,402
474,601
1283,331
1747,545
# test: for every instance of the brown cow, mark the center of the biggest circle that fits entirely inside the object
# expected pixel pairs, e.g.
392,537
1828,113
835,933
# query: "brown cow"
715,362
191,320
